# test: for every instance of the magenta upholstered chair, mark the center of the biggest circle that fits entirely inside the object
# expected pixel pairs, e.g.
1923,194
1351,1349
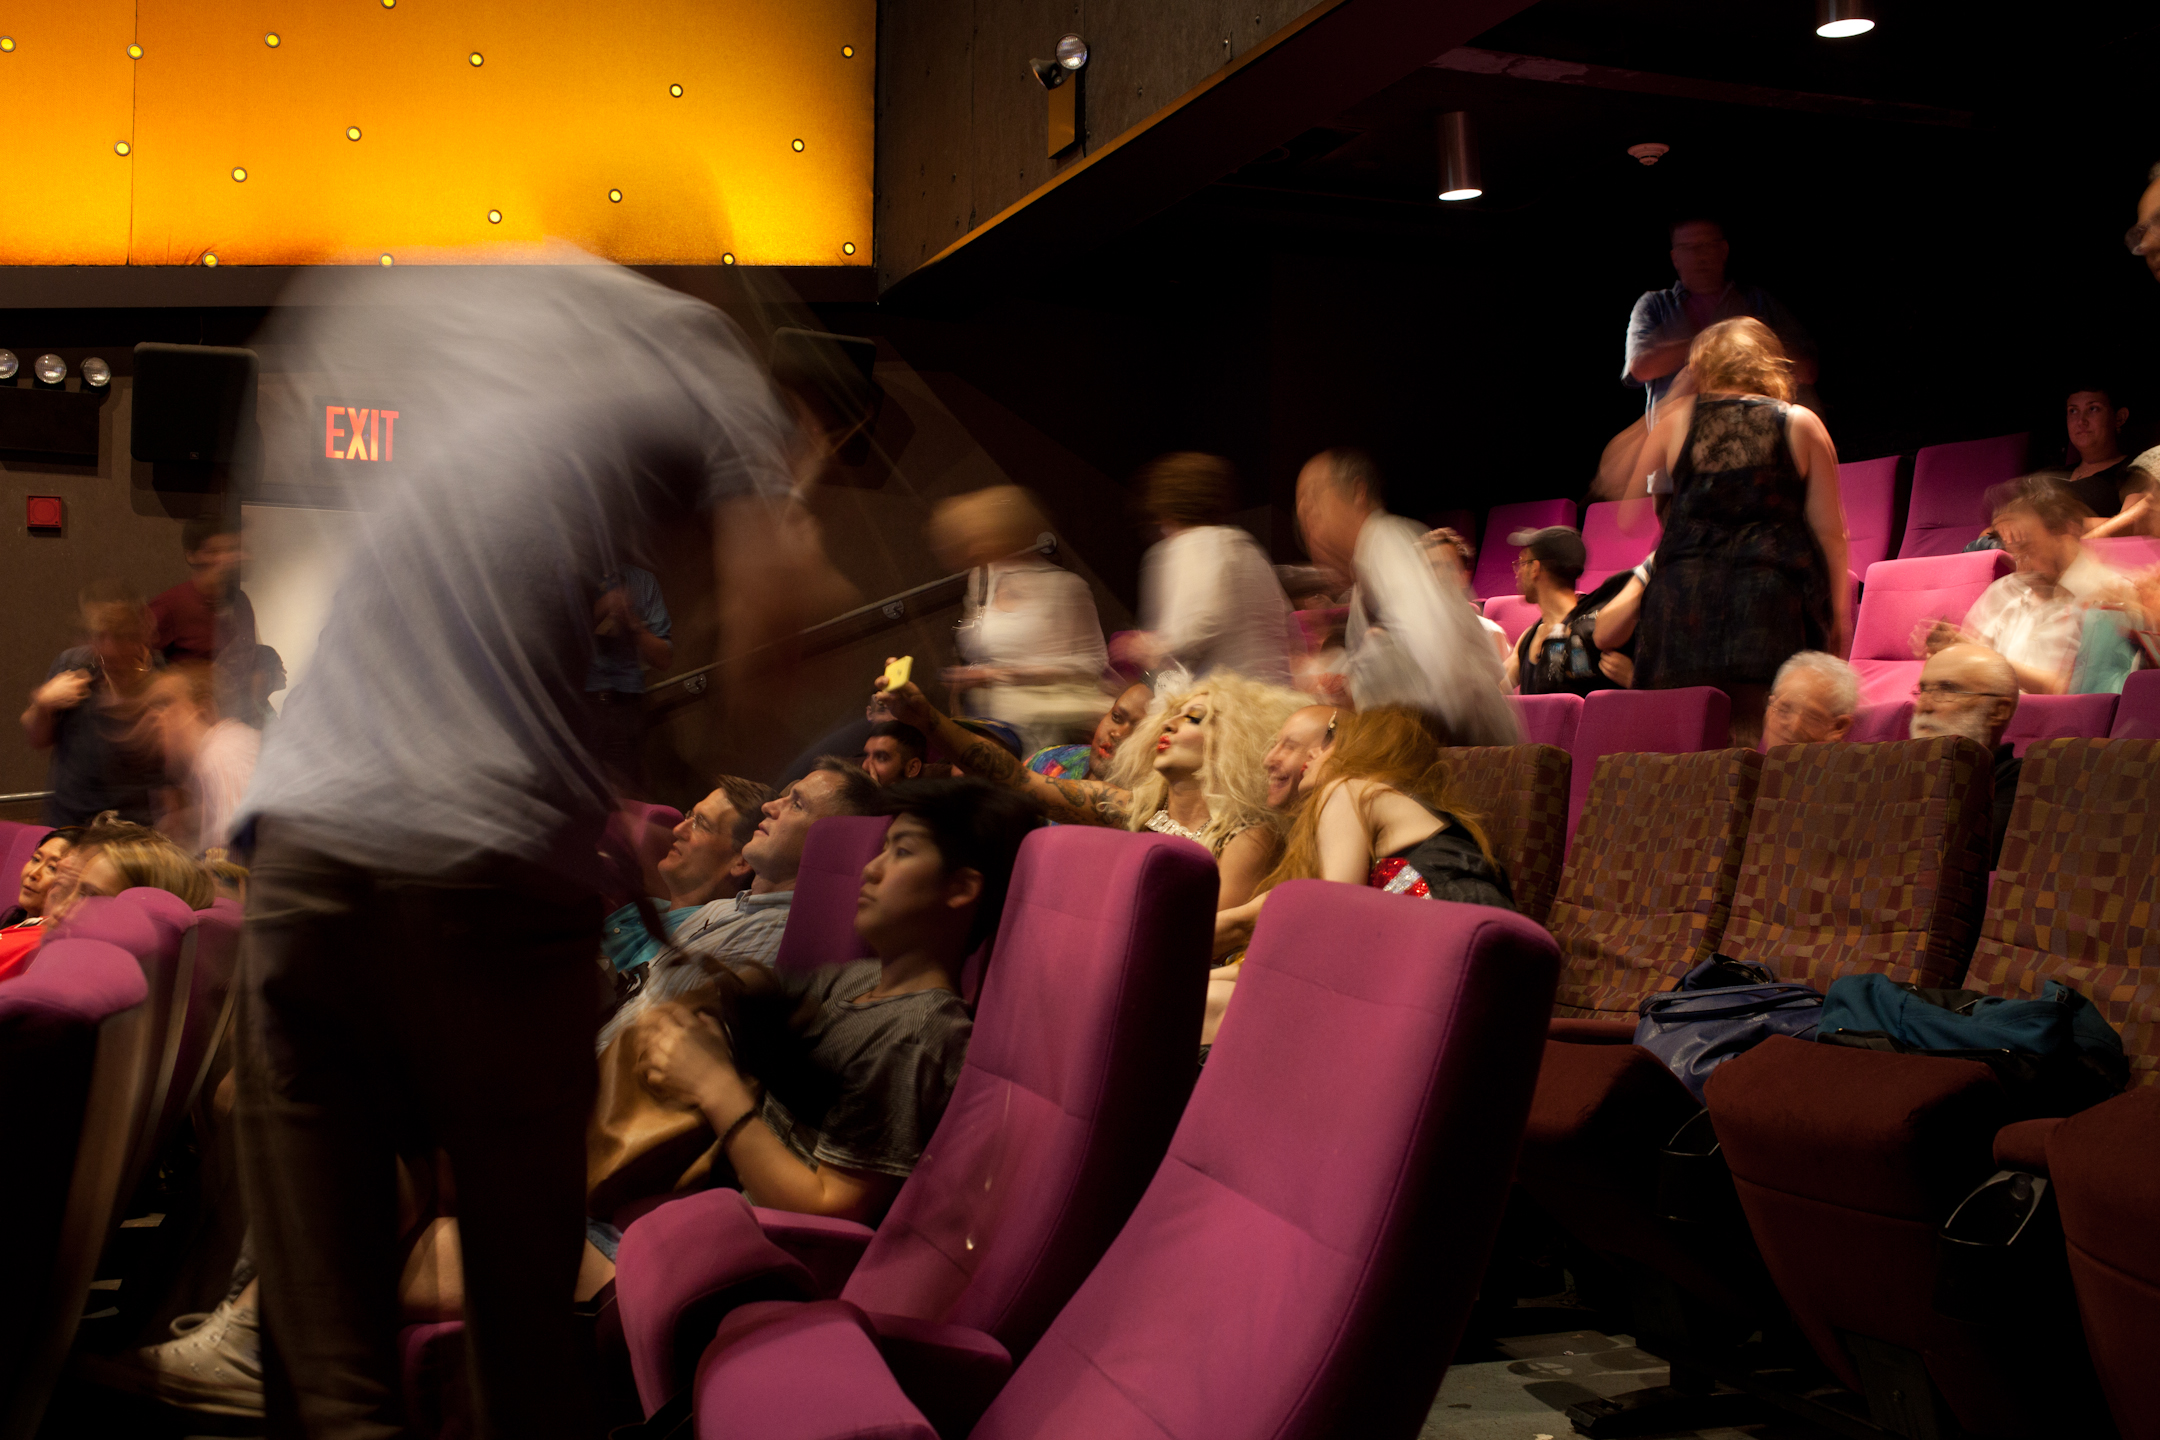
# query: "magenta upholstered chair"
1512,614
74,1044
821,918
1949,486
1899,595
1495,573
1548,719
2059,717
1619,534
2137,709
1083,1051
1255,1293
637,839
1661,722
1869,490
203,1012
2127,552
18,843
1876,724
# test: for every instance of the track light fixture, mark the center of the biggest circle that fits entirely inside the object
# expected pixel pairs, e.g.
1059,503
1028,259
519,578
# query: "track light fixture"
1459,179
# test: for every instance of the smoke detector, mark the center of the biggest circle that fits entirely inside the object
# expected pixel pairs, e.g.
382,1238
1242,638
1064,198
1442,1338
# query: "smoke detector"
1649,152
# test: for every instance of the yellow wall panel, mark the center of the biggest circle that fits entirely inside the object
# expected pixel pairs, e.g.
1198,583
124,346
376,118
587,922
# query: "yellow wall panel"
69,87
570,102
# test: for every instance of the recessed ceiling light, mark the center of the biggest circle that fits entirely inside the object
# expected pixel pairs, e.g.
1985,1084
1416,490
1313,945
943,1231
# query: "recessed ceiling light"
1843,19
1459,178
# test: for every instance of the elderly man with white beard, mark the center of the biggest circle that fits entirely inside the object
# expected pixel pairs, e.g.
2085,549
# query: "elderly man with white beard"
1970,690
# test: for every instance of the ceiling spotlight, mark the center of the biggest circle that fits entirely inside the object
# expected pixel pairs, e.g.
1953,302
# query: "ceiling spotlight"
1841,19
96,373
8,364
1458,159
1072,52
49,370
1649,152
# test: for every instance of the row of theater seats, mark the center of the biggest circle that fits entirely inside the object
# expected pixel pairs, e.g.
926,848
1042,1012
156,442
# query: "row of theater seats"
106,1041
1832,860
1083,1250
1943,516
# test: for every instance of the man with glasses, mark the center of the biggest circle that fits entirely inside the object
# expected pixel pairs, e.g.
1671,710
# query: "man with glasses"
1665,322
1559,655
1813,699
1968,689
703,864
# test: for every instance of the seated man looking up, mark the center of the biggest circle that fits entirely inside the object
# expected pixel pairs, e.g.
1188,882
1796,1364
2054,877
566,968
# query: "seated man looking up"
881,1041
747,925
1811,700
1078,762
1970,690
2033,617
703,863
893,751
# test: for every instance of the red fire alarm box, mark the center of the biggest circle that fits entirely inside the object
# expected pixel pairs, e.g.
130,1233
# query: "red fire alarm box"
46,512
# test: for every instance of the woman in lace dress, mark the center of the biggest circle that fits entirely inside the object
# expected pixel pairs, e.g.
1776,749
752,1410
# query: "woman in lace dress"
1752,565
1193,768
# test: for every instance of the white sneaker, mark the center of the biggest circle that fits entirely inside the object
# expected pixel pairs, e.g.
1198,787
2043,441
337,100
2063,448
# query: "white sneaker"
215,1367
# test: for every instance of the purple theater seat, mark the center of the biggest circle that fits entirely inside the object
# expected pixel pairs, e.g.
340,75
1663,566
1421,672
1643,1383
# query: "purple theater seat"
74,1045
18,842
1878,724
203,1011
1660,722
1549,719
2126,552
1948,489
1255,1293
1495,573
1512,614
2059,717
1083,1047
637,837
1902,593
1619,534
1869,490
821,918
2137,709
2108,1188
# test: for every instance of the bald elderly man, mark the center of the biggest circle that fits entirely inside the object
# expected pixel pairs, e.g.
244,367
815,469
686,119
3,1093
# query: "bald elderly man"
1970,690
1290,761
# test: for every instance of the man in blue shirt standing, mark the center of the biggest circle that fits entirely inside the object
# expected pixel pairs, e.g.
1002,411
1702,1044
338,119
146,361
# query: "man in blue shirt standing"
1666,322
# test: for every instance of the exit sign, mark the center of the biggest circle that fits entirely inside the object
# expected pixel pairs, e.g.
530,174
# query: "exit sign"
358,432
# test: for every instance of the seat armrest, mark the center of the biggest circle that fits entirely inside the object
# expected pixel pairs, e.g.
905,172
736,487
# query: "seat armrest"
1592,1032
802,1372
950,1372
2023,1146
827,1247
680,1269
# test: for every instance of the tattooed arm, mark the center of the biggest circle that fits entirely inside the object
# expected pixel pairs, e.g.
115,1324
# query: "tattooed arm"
1073,802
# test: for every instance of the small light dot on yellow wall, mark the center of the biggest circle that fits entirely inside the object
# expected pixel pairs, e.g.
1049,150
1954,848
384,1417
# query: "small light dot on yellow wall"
209,260
239,173
847,52
494,217
474,59
386,262
134,52
7,44
615,196
271,39
847,247
727,257
121,147
352,132
389,4
798,145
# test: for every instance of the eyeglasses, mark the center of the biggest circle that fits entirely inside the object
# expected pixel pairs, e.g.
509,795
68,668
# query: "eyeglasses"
703,826
1937,690
1787,709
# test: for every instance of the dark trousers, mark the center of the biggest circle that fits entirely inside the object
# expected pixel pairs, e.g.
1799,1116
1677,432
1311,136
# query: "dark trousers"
617,740
382,1014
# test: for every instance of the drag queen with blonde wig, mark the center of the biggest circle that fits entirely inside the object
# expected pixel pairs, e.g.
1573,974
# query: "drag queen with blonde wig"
1191,768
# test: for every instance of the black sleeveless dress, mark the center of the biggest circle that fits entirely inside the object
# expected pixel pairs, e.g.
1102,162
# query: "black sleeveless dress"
1445,865
1741,582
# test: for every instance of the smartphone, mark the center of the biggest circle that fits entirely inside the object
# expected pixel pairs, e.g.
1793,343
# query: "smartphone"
898,672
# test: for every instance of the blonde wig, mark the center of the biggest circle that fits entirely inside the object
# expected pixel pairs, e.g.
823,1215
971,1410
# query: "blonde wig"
1243,717
1741,356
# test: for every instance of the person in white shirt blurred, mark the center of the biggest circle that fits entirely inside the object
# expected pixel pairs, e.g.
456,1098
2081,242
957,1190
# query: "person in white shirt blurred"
1208,597
1032,644
212,759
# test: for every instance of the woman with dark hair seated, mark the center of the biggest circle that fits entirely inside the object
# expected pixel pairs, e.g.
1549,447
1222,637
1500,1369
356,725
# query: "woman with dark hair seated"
19,926
868,1052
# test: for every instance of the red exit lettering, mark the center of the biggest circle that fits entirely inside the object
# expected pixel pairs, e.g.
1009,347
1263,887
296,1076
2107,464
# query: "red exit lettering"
353,433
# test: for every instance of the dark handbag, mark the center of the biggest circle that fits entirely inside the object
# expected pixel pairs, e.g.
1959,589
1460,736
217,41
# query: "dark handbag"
1723,1008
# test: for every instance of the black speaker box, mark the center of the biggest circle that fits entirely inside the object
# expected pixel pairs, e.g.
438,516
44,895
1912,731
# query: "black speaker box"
193,403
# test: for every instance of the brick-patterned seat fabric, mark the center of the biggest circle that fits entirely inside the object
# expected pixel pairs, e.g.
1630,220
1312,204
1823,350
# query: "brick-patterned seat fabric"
1519,794
1865,858
1649,883
2074,894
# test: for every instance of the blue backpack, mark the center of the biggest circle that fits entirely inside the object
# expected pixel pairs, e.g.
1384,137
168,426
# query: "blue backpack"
1722,1008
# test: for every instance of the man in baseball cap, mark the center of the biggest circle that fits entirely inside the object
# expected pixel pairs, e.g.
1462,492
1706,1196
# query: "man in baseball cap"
1558,654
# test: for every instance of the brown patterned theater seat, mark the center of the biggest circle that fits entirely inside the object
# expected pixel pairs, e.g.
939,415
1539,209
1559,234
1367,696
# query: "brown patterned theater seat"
1649,881
1865,858
2073,898
1519,794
